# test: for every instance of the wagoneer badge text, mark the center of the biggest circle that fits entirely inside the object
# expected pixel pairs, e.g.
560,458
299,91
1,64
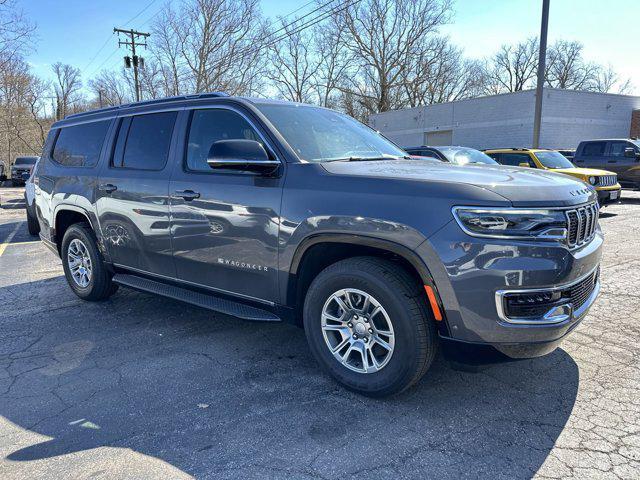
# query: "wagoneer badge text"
245,265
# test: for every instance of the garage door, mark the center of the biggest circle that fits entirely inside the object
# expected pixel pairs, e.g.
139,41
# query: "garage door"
439,137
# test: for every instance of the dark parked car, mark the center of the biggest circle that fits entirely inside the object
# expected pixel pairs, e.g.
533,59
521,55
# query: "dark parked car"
568,153
621,156
457,155
273,211
21,169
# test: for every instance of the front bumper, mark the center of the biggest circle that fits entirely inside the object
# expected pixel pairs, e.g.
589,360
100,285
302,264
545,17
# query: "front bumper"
473,275
609,196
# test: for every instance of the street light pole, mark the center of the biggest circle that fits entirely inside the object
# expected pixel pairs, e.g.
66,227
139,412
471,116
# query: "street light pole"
542,55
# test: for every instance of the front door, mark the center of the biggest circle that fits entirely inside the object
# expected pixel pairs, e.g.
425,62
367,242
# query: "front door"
224,224
618,162
133,194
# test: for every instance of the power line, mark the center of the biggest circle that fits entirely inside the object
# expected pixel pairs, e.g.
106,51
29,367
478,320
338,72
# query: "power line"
141,11
98,52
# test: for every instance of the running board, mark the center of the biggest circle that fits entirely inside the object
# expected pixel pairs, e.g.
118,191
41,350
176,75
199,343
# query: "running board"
210,302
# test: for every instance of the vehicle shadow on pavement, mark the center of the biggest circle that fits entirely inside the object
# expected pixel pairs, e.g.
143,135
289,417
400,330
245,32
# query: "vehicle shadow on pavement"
14,204
219,397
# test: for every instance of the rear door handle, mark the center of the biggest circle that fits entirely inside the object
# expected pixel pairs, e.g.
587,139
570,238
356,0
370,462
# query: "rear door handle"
187,195
107,187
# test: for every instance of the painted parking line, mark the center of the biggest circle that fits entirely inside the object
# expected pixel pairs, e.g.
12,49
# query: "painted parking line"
3,246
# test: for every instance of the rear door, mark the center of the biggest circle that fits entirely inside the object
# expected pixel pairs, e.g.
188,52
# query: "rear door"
616,160
224,223
133,193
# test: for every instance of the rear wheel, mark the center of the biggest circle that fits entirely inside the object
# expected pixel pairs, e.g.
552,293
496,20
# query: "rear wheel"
83,265
368,325
32,222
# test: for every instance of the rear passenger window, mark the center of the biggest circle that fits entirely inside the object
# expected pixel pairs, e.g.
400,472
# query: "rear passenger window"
208,126
617,148
80,145
144,140
594,149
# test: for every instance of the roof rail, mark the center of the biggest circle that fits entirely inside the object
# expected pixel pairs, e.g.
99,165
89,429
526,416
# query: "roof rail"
154,101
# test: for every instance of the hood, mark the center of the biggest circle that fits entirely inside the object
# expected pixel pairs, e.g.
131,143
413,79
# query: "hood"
582,172
521,186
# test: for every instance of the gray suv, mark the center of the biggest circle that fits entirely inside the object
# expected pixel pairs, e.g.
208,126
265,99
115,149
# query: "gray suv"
277,211
619,155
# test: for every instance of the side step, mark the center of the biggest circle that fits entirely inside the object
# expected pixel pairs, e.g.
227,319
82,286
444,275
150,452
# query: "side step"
221,305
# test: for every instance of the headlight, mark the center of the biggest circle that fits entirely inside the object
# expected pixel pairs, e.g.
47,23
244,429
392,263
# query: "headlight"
512,222
592,180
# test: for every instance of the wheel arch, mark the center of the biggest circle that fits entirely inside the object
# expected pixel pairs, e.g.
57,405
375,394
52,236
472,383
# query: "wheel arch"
317,252
64,217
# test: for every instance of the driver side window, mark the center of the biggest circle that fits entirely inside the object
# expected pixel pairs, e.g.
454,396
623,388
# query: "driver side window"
211,125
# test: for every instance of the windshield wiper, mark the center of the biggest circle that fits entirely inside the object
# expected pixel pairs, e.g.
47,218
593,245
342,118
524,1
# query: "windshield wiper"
365,159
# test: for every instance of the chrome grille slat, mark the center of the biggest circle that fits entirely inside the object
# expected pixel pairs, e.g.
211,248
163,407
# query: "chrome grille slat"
581,224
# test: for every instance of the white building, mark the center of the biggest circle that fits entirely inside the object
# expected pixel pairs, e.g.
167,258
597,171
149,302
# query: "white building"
506,120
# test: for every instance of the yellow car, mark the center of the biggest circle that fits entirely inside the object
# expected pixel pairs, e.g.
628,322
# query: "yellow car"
605,182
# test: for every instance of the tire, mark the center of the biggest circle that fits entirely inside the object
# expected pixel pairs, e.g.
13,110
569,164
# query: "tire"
98,283
403,302
32,223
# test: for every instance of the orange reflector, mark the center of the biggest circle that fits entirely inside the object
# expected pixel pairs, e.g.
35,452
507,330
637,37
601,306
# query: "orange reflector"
434,303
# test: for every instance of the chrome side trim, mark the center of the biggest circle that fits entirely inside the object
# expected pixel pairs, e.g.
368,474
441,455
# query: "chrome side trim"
186,282
550,317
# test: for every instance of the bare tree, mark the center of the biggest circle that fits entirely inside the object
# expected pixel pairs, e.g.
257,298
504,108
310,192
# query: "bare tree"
293,63
67,87
513,67
566,67
384,37
607,80
213,45
333,62
16,32
110,88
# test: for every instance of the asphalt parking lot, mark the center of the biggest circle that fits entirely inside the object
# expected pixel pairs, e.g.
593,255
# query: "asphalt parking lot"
145,387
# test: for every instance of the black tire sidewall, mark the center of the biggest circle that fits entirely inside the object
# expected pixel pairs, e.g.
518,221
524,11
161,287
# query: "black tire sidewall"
87,239
403,362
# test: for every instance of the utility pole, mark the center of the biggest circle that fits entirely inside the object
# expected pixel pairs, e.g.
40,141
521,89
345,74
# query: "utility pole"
133,42
542,56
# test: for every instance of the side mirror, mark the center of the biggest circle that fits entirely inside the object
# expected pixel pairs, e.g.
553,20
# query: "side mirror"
241,155
629,152
524,164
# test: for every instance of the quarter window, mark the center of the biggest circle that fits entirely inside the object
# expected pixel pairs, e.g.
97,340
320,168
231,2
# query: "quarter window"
594,149
209,126
144,141
80,145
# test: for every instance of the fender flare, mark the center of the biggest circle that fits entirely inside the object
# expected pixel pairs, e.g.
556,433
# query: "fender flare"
366,241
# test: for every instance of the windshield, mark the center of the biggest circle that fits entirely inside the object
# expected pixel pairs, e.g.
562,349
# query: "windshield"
320,135
25,161
554,160
463,156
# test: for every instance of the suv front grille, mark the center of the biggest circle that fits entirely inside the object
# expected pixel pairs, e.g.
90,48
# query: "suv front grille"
606,180
581,224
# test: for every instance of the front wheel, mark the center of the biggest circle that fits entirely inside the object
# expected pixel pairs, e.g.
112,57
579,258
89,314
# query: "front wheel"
368,325
83,266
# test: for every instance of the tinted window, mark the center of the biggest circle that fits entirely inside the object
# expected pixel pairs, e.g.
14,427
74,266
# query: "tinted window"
209,126
514,159
593,149
144,140
617,148
80,145
26,161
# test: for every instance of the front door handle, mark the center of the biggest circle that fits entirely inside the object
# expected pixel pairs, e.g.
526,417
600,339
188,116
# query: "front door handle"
187,195
107,187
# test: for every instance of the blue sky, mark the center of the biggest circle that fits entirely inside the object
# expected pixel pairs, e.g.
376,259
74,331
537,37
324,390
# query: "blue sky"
73,31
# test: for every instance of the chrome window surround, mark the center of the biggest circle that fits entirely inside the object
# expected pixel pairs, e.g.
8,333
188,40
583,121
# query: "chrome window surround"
556,314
